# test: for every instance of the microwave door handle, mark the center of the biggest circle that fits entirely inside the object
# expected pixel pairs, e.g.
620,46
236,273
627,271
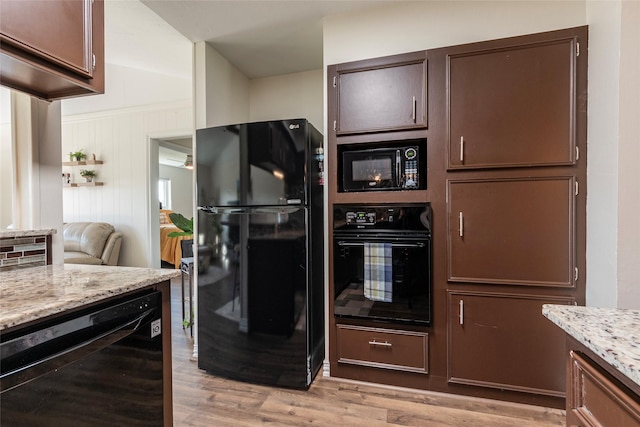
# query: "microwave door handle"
398,181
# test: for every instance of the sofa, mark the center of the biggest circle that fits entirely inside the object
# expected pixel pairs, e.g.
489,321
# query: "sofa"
96,243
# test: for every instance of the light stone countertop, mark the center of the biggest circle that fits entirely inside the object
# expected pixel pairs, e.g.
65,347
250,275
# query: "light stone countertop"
33,293
613,334
6,234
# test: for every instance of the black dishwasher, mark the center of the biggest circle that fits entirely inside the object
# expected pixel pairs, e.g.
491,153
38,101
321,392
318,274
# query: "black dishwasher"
97,367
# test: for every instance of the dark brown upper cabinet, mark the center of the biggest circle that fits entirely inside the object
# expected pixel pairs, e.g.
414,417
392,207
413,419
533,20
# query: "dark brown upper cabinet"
382,94
512,103
516,231
52,49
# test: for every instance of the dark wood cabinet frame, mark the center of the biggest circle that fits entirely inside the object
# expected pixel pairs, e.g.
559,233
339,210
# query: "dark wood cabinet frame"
565,172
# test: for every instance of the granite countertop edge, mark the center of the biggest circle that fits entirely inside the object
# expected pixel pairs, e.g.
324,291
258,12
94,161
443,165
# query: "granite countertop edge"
8,234
613,334
30,294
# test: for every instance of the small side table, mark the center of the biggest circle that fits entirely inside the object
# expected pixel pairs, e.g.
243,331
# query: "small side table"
186,267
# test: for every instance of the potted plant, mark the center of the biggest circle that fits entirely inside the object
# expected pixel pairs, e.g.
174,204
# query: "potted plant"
88,174
77,156
184,224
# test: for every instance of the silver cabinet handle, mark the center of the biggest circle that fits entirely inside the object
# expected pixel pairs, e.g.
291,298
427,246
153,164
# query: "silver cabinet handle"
462,312
413,115
461,224
461,149
386,344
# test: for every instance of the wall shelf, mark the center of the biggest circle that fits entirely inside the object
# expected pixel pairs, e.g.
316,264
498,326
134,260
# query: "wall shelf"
82,163
84,184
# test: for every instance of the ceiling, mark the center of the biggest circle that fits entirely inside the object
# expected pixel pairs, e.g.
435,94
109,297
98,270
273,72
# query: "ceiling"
261,37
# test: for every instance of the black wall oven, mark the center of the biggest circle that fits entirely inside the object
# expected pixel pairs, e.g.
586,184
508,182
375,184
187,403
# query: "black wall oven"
382,262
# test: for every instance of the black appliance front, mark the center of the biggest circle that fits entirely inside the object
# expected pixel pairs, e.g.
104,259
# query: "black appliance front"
382,263
260,204
383,167
101,367
254,164
261,310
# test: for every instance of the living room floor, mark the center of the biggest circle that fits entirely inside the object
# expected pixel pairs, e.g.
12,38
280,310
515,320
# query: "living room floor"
200,399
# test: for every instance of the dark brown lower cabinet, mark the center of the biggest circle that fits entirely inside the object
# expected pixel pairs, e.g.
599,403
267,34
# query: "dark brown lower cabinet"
503,341
595,398
383,348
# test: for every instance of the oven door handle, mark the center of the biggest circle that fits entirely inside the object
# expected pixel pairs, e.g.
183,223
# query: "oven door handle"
395,245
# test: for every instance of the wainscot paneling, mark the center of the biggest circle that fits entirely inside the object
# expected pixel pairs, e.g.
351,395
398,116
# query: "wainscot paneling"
120,139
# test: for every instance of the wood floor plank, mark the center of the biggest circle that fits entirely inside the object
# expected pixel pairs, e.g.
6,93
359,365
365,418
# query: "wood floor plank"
200,400
333,407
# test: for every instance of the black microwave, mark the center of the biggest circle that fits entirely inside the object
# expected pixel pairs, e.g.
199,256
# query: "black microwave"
397,167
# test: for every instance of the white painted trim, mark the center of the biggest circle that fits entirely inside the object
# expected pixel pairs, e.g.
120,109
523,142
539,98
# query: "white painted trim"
326,368
152,175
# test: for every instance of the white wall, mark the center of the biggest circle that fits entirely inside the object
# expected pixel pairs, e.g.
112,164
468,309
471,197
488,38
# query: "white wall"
221,93
148,94
181,188
130,87
628,158
120,139
602,147
6,159
410,26
289,96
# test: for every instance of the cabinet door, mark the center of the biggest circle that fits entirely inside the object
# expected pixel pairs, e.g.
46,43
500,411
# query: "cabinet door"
52,49
383,97
512,231
59,31
504,341
513,106
594,398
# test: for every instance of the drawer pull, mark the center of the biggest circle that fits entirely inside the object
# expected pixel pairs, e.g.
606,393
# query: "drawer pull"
386,344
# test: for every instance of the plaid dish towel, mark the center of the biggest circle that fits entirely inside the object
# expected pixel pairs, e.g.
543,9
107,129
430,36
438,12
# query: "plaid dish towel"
378,282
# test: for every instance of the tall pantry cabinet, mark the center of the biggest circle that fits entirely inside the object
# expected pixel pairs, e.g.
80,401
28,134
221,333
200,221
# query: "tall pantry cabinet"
506,179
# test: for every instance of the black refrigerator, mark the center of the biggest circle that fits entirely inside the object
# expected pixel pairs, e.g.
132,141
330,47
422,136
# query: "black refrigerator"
260,239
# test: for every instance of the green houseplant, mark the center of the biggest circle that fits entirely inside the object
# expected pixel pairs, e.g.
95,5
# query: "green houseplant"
184,224
77,156
88,174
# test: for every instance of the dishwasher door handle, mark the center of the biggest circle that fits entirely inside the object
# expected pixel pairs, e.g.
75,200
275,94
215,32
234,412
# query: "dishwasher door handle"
47,363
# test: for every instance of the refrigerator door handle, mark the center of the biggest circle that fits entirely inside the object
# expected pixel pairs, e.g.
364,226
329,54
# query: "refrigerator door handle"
280,209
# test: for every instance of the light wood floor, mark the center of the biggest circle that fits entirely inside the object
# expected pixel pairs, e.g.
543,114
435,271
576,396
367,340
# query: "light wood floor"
200,399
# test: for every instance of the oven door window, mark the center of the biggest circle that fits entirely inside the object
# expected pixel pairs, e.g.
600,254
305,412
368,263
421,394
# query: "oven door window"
409,278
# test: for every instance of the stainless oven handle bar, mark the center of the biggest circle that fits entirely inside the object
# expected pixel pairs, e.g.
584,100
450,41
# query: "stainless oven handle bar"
395,245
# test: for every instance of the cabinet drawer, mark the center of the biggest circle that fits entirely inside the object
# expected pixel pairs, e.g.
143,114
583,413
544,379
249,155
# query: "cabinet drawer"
598,400
383,348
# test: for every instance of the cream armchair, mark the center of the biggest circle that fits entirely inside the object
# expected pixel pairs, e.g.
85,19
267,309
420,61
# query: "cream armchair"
91,243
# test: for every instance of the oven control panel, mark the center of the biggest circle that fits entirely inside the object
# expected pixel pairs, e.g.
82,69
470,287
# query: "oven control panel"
382,217
360,217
